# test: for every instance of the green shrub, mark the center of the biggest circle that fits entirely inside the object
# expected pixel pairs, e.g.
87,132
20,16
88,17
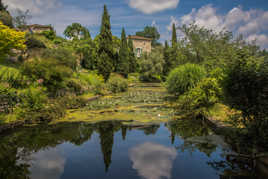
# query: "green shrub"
48,73
13,77
95,82
200,98
246,89
117,84
50,35
9,98
33,98
6,18
32,43
75,86
64,56
184,77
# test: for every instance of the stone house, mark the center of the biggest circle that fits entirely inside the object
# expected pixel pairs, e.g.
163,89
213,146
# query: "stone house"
36,28
141,44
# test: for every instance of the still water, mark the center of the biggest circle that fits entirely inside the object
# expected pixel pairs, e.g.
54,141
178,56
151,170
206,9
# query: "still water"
185,149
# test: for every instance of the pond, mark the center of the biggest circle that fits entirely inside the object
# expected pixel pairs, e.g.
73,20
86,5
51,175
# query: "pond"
130,135
176,149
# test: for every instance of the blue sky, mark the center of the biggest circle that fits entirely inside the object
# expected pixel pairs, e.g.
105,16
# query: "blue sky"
247,17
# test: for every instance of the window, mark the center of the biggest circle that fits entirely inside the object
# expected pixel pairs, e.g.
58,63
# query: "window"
138,52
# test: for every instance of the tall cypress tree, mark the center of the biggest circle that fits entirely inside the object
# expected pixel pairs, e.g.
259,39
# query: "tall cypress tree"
167,61
123,62
105,51
132,59
173,51
174,36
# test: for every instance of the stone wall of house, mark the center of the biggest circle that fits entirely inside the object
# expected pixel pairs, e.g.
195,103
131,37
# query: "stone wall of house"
145,45
40,30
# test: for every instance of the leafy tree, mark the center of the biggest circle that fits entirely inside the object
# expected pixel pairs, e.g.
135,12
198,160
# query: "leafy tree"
132,58
76,31
2,6
89,54
21,19
151,66
10,39
5,16
201,45
6,19
105,62
150,32
123,60
246,87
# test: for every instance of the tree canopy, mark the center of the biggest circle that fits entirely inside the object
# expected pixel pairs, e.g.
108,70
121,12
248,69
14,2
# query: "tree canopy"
150,32
76,31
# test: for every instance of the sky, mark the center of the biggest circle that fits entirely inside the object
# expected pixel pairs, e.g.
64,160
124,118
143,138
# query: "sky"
246,17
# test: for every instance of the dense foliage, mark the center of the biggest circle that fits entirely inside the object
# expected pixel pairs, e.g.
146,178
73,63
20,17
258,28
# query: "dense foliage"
123,64
117,84
246,89
184,78
105,63
151,66
150,32
10,39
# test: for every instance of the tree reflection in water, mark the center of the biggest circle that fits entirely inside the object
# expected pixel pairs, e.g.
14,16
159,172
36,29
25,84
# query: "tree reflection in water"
19,148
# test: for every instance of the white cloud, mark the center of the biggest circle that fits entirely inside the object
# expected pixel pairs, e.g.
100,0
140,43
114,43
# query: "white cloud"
35,6
55,13
153,161
260,39
152,6
252,24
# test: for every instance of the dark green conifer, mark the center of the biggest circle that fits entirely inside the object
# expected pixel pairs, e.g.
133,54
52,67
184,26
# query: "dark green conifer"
174,36
123,61
132,59
105,52
167,61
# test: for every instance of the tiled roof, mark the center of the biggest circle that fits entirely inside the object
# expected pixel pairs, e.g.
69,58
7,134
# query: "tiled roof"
138,37
39,26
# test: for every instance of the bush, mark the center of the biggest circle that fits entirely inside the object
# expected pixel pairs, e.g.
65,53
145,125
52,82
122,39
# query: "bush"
64,56
95,82
50,35
246,89
6,18
32,43
117,84
13,77
8,98
33,99
184,77
199,99
75,86
48,73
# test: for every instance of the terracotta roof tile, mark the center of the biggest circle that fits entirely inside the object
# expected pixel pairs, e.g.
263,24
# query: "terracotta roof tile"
138,37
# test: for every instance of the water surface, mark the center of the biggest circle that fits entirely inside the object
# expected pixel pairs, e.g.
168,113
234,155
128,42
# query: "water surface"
185,149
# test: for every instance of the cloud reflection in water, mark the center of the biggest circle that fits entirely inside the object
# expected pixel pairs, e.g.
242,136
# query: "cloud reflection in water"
153,161
47,164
